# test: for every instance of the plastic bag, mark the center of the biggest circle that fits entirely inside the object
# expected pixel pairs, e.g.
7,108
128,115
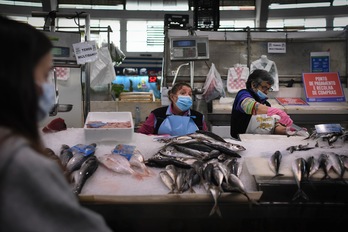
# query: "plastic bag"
102,70
117,55
213,86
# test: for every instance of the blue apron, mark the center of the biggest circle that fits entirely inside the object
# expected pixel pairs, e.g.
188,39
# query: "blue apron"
177,125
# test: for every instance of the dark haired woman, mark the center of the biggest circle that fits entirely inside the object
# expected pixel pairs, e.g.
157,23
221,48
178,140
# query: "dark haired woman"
177,118
252,113
35,195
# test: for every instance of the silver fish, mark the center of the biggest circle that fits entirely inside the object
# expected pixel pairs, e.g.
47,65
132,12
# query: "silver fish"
191,178
298,168
87,169
216,193
191,152
218,176
180,180
312,166
65,155
274,163
325,164
167,180
172,171
75,162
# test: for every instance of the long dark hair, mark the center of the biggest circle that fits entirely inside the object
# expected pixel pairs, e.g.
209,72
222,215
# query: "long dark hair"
24,46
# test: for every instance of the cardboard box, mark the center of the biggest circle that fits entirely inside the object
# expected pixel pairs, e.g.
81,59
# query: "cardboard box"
109,134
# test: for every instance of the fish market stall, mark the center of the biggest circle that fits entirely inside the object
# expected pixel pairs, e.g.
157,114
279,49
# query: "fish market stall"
133,203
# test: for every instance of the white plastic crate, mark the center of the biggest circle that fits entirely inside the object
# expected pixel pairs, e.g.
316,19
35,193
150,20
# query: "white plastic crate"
109,134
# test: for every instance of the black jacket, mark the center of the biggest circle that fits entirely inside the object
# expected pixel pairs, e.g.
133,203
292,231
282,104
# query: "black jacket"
240,120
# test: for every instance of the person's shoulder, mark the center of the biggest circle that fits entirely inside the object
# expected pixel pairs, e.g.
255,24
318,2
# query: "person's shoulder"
160,109
195,112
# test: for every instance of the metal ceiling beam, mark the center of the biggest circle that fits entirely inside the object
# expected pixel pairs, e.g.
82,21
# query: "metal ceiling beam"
261,13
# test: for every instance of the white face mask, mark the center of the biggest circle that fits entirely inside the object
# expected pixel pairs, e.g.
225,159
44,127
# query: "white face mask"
46,100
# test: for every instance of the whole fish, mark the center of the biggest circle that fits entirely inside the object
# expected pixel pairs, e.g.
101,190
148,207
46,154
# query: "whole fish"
236,185
192,152
75,162
172,171
137,160
298,168
325,164
340,169
218,176
191,178
211,135
216,193
213,154
181,181
312,166
226,148
345,160
87,169
199,169
300,147
168,181
65,154
118,163
159,160
274,163
198,146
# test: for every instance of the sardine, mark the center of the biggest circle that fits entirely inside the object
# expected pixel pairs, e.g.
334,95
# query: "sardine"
168,181
274,163
172,171
87,169
299,147
299,171
340,166
180,181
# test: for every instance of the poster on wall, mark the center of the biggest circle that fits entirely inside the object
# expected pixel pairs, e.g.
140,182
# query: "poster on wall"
320,61
323,87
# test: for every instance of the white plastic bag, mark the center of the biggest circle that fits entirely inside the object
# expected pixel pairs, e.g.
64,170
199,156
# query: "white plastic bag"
213,86
102,70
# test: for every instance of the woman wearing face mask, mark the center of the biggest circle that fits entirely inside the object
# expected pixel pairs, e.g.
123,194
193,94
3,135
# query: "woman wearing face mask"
252,113
176,119
35,195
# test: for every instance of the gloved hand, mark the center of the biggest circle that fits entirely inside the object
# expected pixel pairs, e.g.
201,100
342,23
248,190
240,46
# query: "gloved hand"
284,118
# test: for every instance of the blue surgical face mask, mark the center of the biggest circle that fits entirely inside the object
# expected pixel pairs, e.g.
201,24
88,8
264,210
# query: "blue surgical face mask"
261,95
46,100
184,102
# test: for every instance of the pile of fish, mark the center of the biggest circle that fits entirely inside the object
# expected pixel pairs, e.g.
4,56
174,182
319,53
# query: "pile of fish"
79,162
329,139
201,159
304,168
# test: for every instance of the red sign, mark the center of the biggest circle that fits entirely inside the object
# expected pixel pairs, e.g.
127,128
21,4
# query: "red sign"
323,86
285,101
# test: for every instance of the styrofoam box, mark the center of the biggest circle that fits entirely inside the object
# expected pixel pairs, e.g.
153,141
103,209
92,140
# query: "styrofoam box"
109,134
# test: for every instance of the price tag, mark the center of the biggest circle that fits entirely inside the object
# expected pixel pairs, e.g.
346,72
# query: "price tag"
85,52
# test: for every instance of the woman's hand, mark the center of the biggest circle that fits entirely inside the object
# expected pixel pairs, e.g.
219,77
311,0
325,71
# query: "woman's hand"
284,117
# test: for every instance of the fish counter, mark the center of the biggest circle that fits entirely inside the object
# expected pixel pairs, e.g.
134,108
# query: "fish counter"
272,191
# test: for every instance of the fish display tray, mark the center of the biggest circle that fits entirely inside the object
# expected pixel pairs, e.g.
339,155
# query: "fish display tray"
109,134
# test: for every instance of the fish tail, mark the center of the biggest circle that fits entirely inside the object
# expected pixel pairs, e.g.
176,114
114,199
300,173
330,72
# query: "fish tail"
277,175
300,194
215,209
